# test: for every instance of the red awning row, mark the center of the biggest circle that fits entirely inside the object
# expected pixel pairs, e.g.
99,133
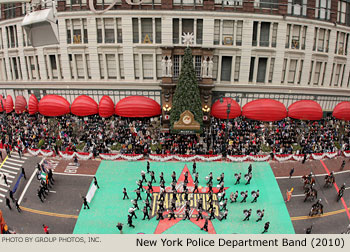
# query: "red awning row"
271,110
141,106
83,105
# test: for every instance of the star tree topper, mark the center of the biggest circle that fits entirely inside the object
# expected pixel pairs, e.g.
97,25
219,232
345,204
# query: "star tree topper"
188,38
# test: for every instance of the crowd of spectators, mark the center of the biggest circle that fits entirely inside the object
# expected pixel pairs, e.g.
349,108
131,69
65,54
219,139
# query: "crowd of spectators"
143,136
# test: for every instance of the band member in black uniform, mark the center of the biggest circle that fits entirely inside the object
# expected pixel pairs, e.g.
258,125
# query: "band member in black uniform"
161,177
125,194
194,167
244,195
200,216
160,214
247,214
238,178
172,215
148,166
152,177
187,214
173,176
255,195
233,197
196,175
143,176
186,177
195,187
145,213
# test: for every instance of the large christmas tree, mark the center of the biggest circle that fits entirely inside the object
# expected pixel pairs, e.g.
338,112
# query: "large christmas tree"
187,95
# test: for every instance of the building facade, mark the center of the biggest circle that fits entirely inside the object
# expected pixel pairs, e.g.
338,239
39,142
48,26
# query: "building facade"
286,50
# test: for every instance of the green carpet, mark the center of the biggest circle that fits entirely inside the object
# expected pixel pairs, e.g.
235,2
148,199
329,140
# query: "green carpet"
107,207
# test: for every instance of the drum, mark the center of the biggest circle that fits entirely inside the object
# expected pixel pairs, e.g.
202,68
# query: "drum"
207,178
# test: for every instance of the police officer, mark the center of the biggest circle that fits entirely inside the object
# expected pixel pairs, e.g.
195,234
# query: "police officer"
120,227
224,216
173,176
248,177
150,187
255,195
244,195
187,214
266,227
132,212
148,195
136,205
260,213
195,187
224,205
223,194
147,204
342,165
196,175
11,196
161,176
200,216
238,178
145,213
125,194
194,167
212,216
186,177
221,178
143,176
85,203
247,214
210,180
152,177
250,168
17,206
205,227
5,179
172,215
130,221
233,197
160,214
148,166
95,179
139,183
138,195
8,203
39,195
341,192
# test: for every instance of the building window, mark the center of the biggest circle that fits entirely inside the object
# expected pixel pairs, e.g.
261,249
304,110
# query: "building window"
269,4
297,7
344,12
274,35
80,66
323,9
159,66
324,72
264,37
147,66
239,33
12,39
261,70
136,66
53,65
198,66
226,66
187,26
199,37
177,67
215,67
135,30
228,3
158,30
188,2
237,68
341,43
10,10
88,65
146,30
317,72
321,39
176,31
292,71
251,69
111,66
337,74
109,30
272,66
217,31
227,32
76,31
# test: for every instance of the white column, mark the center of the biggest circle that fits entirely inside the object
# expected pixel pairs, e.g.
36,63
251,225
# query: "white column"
258,34
75,70
180,30
140,66
19,69
286,74
115,30
291,35
255,73
154,66
219,68
30,75
296,73
58,63
82,31
313,73
36,64
71,31
86,77
320,79
153,30
140,34
341,76
117,65
233,68
268,64
13,69
195,31
103,30
234,33
221,39
270,35
316,39
104,58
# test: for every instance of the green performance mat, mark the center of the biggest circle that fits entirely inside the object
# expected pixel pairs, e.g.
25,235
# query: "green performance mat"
108,207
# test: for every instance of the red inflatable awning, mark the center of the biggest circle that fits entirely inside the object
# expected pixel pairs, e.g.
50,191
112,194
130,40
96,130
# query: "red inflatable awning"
84,105
9,104
53,105
2,104
106,106
342,111
20,104
219,110
266,110
137,106
33,104
305,110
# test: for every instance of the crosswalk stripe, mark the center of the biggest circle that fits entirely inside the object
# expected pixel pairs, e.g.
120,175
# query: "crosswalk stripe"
15,160
5,184
13,168
5,170
7,162
2,195
0,200
16,156
7,175
2,189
